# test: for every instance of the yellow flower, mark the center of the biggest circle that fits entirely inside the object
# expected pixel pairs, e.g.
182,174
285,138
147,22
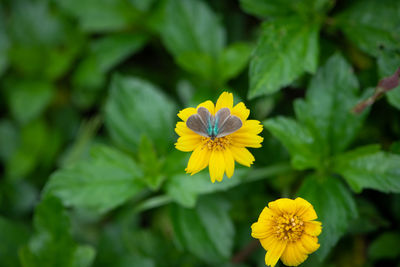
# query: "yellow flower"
220,153
287,230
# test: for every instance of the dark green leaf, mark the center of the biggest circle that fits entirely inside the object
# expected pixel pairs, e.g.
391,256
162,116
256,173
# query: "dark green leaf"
27,99
12,236
286,49
326,111
372,25
304,150
107,180
278,8
100,15
105,54
388,63
334,206
4,44
385,246
205,231
8,139
52,245
136,108
233,60
366,167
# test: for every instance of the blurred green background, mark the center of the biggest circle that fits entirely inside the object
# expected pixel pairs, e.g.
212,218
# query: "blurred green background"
89,92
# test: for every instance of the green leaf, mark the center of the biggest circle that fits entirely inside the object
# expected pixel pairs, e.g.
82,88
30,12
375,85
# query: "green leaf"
186,23
32,146
326,111
104,182
4,44
150,163
304,150
52,244
372,25
279,8
286,49
136,108
100,15
385,246
104,54
388,63
206,231
27,99
37,51
335,207
12,236
8,139
366,167
233,60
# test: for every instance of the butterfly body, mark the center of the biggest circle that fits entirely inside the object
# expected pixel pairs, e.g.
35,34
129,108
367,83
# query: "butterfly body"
220,125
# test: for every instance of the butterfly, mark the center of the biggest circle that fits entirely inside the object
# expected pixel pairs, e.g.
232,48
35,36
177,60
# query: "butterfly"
220,125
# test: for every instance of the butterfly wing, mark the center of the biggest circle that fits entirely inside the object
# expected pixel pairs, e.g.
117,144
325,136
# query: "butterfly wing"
231,124
201,122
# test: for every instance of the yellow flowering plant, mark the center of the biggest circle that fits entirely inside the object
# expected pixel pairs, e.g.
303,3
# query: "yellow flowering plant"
219,153
287,230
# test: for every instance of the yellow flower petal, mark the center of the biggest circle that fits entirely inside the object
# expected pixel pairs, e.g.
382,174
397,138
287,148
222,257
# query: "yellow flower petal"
217,165
242,155
247,139
225,100
181,129
229,162
283,205
251,126
208,105
275,252
198,160
267,242
184,114
293,255
309,243
188,143
313,228
261,229
241,111
306,210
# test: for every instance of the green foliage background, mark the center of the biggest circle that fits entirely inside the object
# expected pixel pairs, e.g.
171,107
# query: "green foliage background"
89,92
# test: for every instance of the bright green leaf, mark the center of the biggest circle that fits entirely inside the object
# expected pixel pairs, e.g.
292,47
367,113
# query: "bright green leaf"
150,163
335,207
372,25
385,246
52,244
107,180
286,49
207,230
136,108
186,23
366,167
298,140
326,111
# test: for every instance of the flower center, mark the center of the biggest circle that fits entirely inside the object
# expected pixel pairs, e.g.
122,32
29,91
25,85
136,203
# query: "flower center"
289,227
216,144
